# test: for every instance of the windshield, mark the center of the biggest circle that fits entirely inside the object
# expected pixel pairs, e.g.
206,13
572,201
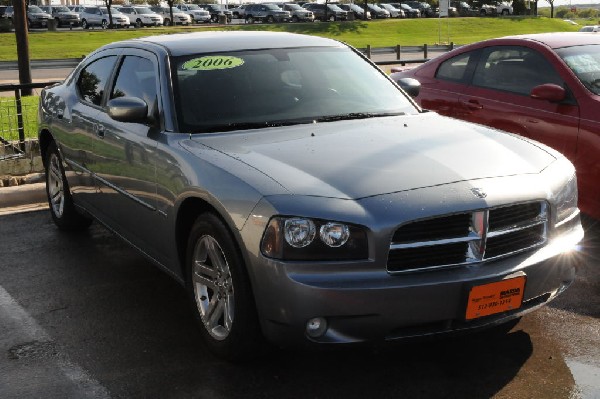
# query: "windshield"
34,9
294,7
584,61
272,7
143,10
113,11
62,9
194,7
253,89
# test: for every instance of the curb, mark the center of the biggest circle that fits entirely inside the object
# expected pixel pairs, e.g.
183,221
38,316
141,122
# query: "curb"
23,195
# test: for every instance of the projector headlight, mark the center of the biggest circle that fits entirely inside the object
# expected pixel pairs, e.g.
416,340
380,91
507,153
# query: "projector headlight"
295,238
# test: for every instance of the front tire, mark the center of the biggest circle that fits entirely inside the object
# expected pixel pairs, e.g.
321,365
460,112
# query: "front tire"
219,291
84,24
62,209
138,23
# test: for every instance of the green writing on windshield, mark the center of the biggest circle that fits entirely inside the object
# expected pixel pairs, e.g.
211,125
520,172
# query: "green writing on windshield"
213,62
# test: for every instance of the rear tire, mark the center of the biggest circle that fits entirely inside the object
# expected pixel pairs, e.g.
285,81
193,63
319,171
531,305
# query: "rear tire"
62,209
219,291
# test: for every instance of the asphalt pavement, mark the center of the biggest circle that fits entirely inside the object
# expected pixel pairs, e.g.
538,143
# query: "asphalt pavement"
85,316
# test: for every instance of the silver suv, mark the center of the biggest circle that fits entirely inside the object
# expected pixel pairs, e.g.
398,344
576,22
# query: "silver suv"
98,16
179,17
141,16
196,13
266,13
62,15
298,13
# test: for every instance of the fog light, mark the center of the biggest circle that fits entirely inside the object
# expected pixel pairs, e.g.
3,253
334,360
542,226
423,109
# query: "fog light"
316,327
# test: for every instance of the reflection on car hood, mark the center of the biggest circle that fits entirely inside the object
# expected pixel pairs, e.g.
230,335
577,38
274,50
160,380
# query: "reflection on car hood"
362,158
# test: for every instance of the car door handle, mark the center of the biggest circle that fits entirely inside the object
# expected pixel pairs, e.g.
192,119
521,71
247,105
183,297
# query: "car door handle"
472,104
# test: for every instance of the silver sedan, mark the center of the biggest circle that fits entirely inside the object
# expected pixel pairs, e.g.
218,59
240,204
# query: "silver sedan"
299,195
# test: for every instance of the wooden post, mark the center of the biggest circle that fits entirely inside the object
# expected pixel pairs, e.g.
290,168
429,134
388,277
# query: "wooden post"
22,38
398,51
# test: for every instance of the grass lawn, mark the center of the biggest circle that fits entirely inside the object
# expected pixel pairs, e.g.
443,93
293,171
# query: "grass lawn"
8,117
407,32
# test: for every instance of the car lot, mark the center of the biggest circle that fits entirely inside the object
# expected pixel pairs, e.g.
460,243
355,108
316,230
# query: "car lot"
124,325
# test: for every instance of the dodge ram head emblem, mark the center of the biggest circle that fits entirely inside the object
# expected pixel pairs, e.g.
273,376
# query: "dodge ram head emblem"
478,192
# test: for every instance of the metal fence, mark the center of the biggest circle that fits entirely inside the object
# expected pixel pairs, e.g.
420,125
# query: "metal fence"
18,119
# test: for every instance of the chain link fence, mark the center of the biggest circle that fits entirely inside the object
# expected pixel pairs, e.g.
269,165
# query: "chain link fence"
18,119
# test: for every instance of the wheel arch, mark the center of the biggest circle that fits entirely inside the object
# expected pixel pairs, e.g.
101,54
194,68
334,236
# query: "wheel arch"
187,213
45,139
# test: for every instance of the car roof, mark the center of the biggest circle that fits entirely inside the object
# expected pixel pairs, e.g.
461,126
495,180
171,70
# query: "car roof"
560,39
200,42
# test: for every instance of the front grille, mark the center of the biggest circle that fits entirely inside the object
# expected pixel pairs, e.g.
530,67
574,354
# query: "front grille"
465,238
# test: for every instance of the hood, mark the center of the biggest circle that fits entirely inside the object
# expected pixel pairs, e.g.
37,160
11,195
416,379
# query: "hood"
363,158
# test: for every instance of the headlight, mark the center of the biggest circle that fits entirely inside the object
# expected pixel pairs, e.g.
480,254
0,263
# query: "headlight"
564,189
299,232
295,238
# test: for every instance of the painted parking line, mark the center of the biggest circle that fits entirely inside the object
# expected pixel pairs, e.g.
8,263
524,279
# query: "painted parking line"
32,364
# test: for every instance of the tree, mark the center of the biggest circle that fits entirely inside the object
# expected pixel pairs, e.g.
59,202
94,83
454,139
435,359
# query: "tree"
551,2
108,4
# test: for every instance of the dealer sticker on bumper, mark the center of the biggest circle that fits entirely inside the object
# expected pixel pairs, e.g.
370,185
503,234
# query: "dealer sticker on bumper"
497,297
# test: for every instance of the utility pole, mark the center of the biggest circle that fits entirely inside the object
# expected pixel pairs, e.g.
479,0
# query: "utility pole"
22,35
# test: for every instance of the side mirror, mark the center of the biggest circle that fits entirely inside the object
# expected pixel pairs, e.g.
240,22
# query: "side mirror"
549,92
411,86
128,109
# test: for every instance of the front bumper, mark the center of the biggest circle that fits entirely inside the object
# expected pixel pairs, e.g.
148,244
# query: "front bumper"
363,305
362,301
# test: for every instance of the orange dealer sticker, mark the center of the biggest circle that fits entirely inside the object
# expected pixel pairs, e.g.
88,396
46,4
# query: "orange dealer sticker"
497,297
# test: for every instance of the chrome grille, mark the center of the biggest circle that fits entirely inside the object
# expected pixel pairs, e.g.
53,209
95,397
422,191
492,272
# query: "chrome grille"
465,238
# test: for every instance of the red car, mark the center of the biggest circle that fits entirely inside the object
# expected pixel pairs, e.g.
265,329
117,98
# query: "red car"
542,86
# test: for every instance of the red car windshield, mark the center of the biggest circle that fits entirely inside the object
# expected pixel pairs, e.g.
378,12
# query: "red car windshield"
584,61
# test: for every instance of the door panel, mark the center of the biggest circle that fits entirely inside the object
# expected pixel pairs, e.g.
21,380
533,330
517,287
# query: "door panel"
499,96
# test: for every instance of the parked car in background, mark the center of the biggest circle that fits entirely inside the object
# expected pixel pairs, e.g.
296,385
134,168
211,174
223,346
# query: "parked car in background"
590,28
179,17
62,15
394,12
36,17
357,10
297,194
76,8
378,12
217,9
424,8
329,12
98,16
499,9
140,16
266,12
3,12
239,11
8,13
196,13
544,87
464,9
298,13
408,10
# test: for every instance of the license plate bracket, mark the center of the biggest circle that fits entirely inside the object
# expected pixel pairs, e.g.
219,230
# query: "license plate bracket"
495,297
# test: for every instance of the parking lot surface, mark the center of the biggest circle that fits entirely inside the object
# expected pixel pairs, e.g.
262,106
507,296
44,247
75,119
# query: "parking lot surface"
85,316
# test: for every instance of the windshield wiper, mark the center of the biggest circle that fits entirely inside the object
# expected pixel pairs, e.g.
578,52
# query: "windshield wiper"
251,125
356,115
